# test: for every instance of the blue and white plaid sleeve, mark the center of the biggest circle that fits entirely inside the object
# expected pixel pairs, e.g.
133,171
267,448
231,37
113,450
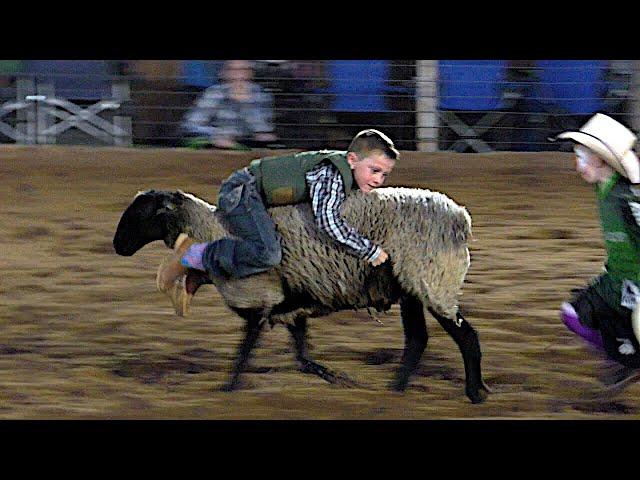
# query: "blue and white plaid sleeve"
327,196
260,115
198,119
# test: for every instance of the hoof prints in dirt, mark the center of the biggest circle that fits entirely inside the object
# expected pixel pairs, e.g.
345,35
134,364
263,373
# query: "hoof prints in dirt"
427,368
199,353
29,233
7,350
382,356
252,369
605,407
155,371
437,370
26,188
102,248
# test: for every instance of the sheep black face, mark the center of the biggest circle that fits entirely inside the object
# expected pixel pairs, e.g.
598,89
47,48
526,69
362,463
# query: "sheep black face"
144,221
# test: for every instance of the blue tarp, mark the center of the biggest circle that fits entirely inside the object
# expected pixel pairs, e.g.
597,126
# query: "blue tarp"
576,86
473,85
73,79
358,85
201,73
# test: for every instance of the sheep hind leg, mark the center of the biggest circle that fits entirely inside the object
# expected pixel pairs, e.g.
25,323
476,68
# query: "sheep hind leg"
252,330
299,333
415,340
466,338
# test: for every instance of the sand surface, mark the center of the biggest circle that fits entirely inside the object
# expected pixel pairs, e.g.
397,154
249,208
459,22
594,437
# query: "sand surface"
85,335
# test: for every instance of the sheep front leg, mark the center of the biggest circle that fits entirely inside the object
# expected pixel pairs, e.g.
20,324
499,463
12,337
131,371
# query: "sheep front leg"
415,340
251,333
299,333
467,340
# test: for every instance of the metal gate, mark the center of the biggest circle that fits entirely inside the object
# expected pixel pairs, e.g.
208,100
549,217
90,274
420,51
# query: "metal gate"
37,116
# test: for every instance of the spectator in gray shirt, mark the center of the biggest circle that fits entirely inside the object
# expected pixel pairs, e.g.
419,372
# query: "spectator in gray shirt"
235,113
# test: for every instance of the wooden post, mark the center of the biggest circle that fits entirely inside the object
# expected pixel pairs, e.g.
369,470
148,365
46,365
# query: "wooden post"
427,105
45,120
121,94
26,117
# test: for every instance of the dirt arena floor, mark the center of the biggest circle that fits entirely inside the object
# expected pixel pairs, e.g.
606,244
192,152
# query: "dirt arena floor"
85,335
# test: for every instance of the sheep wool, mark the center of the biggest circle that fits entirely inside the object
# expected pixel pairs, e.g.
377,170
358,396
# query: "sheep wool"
425,234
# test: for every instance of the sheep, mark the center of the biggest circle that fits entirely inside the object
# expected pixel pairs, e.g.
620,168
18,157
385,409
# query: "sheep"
425,233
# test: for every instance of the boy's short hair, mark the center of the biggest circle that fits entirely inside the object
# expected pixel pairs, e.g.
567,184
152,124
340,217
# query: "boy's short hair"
369,140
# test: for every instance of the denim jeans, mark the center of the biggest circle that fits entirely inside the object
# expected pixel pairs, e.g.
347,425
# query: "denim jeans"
257,248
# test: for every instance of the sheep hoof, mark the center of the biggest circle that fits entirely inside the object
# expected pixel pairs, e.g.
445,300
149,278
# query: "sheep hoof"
398,385
229,386
479,395
401,379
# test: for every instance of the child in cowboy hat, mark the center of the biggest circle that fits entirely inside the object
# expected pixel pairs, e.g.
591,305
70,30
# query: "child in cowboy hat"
606,313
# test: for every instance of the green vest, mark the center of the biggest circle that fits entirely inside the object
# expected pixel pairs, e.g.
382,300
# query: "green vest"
281,180
621,238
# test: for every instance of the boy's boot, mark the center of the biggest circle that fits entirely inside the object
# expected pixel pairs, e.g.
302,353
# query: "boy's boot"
616,377
172,276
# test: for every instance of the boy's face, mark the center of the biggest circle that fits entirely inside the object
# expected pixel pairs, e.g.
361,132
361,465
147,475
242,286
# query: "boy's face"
371,171
591,167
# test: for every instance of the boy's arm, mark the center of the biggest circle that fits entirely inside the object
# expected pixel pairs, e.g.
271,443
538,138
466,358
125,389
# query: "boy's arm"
327,196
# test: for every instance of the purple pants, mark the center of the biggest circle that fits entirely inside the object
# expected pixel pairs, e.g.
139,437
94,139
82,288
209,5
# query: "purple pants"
570,319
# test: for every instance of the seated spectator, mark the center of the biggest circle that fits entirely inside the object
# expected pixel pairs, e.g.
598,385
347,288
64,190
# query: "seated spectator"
235,114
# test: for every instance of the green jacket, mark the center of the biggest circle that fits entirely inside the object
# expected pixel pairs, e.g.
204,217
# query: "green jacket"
281,180
621,237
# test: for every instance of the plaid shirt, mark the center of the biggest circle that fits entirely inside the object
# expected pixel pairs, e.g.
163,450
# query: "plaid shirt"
327,197
217,115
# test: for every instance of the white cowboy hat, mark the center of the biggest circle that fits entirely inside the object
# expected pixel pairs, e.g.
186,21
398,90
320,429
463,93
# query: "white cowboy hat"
610,140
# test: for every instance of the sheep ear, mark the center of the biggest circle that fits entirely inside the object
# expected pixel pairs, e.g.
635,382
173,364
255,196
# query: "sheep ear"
165,208
177,197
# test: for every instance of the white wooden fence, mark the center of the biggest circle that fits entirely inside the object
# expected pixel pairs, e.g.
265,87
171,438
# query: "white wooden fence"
39,116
